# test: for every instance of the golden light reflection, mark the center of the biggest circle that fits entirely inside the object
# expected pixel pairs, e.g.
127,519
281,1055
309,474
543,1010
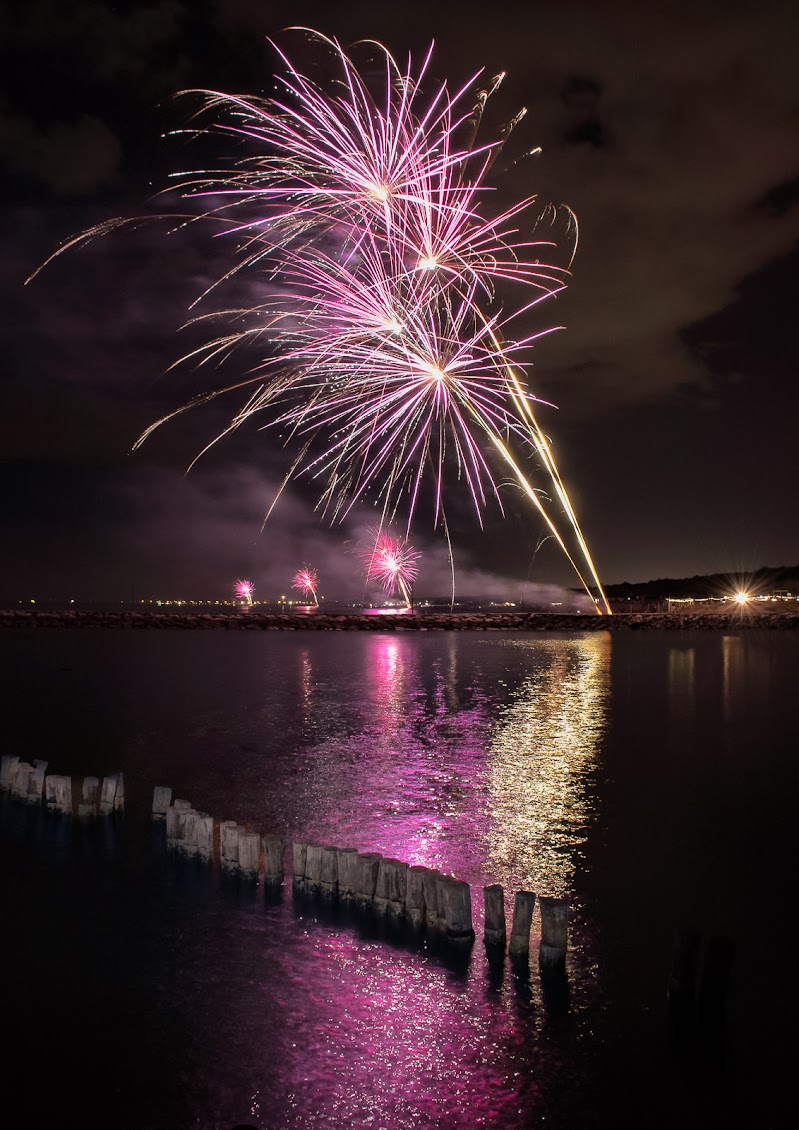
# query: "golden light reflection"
543,751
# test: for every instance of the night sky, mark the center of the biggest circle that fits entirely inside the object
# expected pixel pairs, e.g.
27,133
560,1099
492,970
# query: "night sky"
672,130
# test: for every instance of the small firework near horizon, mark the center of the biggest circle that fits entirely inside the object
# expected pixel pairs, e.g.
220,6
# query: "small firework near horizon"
392,562
306,581
244,590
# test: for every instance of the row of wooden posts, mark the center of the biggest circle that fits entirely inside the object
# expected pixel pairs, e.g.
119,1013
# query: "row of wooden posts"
33,784
422,896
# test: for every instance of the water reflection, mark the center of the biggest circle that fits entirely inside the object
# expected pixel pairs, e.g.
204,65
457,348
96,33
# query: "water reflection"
541,756
681,682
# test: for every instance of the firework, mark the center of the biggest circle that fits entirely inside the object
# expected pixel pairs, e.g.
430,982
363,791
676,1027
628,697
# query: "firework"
306,581
362,210
392,562
244,590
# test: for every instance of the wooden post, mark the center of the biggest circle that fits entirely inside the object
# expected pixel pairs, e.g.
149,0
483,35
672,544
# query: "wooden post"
119,795
204,833
523,907
299,854
328,871
108,792
8,766
392,886
188,831
162,798
58,793
274,870
368,867
20,777
88,804
249,854
229,845
313,867
172,816
432,915
414,900
554,932
36,782
182,805
496,931
49,790
347,873
456,902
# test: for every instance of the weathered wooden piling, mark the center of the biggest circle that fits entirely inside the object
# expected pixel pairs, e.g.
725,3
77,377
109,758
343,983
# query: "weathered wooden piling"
88,803
313,867
162,798
8,765
347,873
554,932
249,854
187,838
299,853
495,929
366,883
432,915
523,907
108,793
20,778
391,887
204,834
414,899
229,832
172,816
119,795
182,805
328,871
685,959
59,793
274,868
36,782
456,903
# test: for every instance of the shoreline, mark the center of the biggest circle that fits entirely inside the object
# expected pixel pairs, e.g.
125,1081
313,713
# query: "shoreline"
436,621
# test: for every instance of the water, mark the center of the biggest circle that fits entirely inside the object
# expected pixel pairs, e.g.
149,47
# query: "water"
650,776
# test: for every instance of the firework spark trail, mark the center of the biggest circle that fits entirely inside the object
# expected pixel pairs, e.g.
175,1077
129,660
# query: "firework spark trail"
306,581
392,562
365,219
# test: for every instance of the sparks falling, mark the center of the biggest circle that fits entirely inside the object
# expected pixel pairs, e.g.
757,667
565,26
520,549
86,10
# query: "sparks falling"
361,209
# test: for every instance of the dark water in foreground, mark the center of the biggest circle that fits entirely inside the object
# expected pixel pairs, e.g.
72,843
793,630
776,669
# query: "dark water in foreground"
651,777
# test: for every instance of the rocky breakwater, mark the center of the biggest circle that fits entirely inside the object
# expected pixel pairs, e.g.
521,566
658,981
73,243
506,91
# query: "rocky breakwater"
424,622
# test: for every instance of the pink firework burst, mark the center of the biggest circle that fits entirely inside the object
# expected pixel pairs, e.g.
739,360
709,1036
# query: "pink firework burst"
244,590
392,562
306,581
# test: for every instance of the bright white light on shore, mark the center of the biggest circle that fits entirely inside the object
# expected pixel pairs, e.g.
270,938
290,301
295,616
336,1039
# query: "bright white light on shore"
742,597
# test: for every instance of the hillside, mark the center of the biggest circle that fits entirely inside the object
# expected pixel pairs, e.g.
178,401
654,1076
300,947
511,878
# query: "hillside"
764,580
